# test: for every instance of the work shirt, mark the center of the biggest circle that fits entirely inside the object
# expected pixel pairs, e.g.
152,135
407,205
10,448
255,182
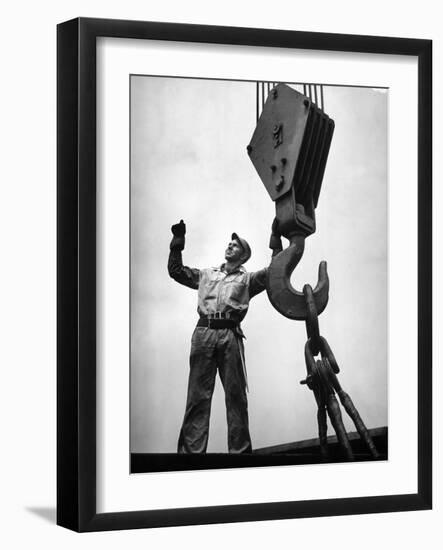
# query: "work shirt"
219,291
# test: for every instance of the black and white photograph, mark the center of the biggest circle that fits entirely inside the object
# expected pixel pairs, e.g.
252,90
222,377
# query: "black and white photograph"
221,285
258,273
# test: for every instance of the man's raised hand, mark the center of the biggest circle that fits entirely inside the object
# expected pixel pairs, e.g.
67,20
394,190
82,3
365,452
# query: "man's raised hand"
178,240
179,229
275,241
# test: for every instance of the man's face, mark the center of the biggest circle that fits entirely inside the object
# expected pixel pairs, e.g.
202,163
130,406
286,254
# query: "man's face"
234,252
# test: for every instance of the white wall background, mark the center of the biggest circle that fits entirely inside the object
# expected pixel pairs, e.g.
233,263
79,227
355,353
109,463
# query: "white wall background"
27,219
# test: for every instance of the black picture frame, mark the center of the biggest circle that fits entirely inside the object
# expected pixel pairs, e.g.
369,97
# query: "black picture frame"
76,274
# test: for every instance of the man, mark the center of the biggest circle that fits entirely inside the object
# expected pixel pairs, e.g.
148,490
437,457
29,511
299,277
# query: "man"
217,342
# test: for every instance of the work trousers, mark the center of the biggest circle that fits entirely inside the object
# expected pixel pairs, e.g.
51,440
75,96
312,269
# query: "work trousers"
212,350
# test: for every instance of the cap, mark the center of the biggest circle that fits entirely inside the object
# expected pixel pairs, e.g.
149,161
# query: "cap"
244,245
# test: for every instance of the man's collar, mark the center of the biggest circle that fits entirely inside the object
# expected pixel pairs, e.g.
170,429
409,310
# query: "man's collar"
239,268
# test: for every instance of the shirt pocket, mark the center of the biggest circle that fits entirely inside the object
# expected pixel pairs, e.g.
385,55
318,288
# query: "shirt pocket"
237,292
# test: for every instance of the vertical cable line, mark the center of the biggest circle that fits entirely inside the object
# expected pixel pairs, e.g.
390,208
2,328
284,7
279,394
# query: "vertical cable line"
257,102
313,91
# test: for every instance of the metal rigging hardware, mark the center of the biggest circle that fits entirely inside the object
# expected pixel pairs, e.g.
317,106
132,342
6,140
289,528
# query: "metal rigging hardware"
289,150
322,380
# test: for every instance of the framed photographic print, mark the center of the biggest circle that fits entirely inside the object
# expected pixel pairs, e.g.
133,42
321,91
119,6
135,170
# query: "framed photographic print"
244,274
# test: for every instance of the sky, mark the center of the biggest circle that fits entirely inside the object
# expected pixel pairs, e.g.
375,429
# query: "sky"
189,161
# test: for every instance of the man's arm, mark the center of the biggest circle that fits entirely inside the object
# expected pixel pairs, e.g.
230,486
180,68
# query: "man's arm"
257,281
182,274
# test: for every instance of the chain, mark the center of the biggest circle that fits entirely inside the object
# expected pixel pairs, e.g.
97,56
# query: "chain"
322,380
316,343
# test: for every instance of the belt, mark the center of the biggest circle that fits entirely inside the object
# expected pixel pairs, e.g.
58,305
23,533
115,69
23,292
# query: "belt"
217,323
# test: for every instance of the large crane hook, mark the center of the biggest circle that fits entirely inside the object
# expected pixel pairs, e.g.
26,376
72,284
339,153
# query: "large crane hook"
289,149
283,296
